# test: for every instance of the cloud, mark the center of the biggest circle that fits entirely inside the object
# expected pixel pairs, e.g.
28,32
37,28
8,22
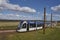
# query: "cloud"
18,17
4,4
1,14
11,16
56,8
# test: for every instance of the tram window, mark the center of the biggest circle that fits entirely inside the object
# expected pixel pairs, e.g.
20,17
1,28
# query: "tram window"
39,25
32,25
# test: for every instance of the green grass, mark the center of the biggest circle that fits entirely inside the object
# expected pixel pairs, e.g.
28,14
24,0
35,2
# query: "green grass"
51,34
58,24
8,25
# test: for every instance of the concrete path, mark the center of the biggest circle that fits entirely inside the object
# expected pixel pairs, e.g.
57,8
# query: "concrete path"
4,31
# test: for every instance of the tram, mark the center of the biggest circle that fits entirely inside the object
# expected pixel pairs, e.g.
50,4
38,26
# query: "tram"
30,26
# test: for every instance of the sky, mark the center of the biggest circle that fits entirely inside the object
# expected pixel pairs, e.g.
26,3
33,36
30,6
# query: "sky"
29,9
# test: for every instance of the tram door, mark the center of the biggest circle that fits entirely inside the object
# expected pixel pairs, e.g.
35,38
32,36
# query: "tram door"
28,27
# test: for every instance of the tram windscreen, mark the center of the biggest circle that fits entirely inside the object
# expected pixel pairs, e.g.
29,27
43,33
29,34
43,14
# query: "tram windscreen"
24,25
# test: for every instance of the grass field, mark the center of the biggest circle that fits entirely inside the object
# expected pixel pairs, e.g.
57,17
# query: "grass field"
51,34
58,24
8,25
11,24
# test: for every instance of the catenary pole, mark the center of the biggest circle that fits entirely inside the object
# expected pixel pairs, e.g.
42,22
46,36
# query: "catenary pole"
44,20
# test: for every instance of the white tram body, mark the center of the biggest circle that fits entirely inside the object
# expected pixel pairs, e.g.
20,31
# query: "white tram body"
31,25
